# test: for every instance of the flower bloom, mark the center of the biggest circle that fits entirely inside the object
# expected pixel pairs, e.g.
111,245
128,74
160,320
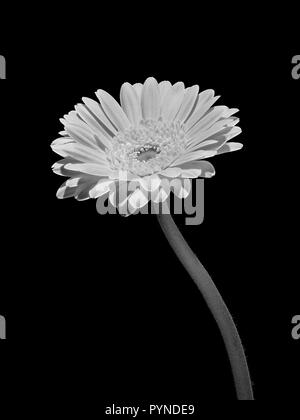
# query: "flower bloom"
158,138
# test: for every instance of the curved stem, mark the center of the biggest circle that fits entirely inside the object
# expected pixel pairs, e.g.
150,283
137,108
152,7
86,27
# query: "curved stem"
215,303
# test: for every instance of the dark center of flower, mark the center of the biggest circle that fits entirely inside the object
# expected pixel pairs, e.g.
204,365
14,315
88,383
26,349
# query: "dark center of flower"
148,148
147,152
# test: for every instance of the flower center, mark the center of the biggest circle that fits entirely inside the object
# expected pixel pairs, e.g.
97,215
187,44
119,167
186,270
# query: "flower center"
148,148
144,153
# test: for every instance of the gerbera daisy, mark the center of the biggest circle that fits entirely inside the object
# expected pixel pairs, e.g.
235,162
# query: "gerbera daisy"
158,138
159,132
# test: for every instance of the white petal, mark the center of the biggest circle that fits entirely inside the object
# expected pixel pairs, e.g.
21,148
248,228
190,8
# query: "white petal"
197,140
138,87
82,126
230,147
61,192
200,154
188,102
199,168
138,200
102,141
190,173
150,99
207,143
62,140
113,198
233,133
172,101
59,167
205,100
170,172
82,136
91,123
77,121
65,192
95,108
101,188
90,168
113,110
119,195
131,103
164,88
56,168
123,207
230,112
72,118
81,153
206,122
72,182
181,188
124,175
150,183
163,192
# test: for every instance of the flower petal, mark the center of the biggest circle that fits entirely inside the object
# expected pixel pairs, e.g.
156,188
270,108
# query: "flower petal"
119,194
95,110
76,121
137,199
206,122
205,100
202,168
89,137
181,187
149,183
83,189
81,153
92,123
172,101
86,138
138,87
63,140
65,192
170,172
131,103
229,147
73,118
150,99
230,112
190,173
163,193
200,154
218,131
90,168
164,88
101,188
77,187
59,167
235,131
217,140
188,102
72,182
113,110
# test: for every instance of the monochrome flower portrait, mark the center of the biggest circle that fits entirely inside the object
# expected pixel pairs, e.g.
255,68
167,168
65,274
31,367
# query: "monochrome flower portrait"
140,150
159,137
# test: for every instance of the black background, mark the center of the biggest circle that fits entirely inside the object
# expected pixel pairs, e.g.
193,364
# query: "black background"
99,306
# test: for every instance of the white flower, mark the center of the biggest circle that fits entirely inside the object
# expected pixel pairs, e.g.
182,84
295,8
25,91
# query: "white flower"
160,132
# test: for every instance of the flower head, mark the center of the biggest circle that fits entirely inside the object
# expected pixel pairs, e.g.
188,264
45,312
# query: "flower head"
160,133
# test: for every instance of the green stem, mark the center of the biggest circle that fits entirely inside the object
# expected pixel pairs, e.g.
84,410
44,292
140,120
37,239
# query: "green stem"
215,303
